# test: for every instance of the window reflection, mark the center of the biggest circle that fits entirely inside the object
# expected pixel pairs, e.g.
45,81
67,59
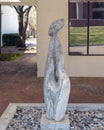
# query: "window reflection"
80,39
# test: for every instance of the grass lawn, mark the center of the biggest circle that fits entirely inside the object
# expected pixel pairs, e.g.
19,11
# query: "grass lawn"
78,35
9,57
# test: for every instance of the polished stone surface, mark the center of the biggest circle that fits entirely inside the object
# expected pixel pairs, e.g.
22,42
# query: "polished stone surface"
54,125
56,81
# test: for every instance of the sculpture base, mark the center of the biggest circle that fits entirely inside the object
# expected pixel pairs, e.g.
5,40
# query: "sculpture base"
54,125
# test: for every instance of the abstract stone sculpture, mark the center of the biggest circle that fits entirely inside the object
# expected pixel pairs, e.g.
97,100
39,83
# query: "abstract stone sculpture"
56,82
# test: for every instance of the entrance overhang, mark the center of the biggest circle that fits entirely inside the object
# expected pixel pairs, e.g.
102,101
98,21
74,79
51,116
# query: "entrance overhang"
18,2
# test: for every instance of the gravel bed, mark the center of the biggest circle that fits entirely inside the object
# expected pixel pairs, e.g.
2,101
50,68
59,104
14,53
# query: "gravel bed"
28,118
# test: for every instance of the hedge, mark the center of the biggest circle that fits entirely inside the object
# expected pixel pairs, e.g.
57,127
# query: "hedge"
12,39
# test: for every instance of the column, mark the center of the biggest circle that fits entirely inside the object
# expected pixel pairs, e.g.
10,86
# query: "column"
79,10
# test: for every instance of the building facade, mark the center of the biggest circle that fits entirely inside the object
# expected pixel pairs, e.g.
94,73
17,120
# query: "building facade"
75,66
9,20
78,13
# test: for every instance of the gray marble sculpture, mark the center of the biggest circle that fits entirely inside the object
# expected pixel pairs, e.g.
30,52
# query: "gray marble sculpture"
56,82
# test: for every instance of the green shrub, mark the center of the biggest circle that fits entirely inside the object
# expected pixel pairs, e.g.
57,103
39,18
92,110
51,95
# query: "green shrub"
12,39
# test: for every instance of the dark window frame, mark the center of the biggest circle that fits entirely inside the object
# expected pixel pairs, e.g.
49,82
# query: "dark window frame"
87,34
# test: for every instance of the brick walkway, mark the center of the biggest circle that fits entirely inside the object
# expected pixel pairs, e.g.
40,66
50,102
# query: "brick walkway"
18,83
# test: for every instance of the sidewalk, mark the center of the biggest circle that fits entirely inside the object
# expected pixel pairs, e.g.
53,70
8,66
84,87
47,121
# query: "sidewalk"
13,49
18,83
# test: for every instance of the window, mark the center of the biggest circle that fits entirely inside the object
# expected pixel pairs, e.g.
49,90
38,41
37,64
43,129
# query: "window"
86,28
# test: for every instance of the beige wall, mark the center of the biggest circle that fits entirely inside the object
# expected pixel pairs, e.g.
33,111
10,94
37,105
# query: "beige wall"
76,66
22,2
86,66
48,11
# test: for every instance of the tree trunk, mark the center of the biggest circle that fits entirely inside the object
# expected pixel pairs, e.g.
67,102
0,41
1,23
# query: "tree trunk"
21,30
23,22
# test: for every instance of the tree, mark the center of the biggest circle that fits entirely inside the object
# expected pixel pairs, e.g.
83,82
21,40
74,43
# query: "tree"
23,13
32,21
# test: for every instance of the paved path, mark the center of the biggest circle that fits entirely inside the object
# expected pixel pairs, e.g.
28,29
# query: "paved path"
18,83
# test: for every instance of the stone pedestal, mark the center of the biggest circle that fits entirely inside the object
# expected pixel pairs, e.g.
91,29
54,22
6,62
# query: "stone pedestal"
54,125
